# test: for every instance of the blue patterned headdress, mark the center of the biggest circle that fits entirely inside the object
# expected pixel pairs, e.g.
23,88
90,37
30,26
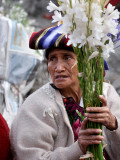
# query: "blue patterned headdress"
48,38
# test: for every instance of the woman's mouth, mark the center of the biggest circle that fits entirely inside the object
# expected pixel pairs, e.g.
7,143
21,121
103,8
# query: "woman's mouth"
60,77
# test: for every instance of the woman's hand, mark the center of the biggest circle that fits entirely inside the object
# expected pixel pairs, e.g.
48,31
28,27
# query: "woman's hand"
88,136
102,115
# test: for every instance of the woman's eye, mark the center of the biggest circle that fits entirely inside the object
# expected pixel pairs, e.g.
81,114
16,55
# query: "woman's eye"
67,57
52,58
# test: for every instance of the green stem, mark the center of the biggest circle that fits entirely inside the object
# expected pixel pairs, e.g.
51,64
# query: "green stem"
93,73
70,3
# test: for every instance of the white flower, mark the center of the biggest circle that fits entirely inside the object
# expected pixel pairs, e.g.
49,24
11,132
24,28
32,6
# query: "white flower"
81,14
67,23
81,74
87,155
109,9
96,10
57,17
70,11
95,25
97,29
75,3
64,6
72,40
75,39
110,24
115,14
82,26
65,1
93,55
107,48
52,7
93,42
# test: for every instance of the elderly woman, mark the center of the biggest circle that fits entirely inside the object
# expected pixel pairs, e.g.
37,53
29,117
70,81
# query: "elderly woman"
42,128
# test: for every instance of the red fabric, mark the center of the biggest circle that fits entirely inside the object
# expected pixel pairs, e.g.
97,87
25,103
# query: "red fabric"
4,140
48,16
43,34
113,2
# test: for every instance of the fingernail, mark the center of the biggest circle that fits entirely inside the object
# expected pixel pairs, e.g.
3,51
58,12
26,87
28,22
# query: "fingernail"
86,114
87,109
99,130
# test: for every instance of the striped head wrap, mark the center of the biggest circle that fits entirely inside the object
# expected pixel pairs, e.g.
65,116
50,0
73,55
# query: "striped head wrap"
49,38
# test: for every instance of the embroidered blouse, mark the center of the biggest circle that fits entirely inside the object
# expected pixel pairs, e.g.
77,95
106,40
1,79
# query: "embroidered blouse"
75,114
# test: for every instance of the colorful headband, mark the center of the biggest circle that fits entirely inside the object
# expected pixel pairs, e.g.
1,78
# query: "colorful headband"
48,38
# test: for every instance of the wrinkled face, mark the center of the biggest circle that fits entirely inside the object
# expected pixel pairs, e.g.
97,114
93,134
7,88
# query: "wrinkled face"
60,67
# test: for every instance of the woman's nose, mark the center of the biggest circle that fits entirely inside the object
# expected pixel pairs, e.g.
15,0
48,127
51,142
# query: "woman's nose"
60,66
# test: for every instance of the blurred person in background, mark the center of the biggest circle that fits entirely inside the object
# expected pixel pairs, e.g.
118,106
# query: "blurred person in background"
5,152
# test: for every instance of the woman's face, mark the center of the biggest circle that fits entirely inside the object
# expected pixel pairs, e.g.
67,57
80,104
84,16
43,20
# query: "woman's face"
60,67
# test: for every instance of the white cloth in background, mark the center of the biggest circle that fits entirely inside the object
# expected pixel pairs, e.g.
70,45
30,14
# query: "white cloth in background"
18,67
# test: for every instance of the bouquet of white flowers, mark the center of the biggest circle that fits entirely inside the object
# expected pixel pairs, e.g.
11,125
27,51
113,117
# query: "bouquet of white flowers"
89,26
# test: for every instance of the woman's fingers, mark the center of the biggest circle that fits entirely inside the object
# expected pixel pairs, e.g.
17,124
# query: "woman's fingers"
89,137
92,139
104,101
102,115
84,143
95,115
90,131
97,109
98,114
84,123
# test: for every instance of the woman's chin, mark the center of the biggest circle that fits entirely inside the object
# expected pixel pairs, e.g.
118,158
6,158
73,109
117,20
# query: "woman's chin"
61,85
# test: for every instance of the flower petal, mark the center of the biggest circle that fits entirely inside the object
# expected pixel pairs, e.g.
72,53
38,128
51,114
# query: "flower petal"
93,55
81,74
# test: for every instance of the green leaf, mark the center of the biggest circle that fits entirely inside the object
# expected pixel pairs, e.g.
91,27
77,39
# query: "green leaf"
80,115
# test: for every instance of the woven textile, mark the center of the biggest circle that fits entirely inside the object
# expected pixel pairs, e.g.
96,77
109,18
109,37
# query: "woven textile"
75,120
47,38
